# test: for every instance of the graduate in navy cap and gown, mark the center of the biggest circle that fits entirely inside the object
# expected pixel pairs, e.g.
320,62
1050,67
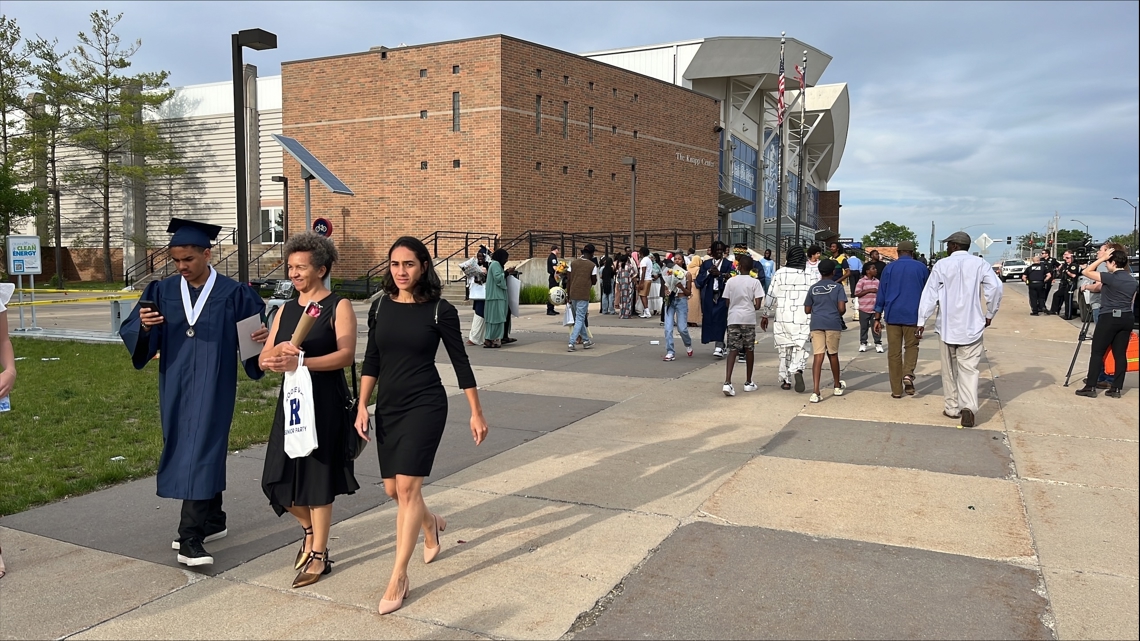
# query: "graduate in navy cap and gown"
710,281
190,320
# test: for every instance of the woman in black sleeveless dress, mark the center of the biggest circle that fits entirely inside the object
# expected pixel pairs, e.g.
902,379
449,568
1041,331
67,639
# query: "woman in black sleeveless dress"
306,486
405,328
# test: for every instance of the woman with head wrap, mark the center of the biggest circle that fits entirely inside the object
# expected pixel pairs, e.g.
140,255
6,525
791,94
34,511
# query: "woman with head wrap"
791,330
495,308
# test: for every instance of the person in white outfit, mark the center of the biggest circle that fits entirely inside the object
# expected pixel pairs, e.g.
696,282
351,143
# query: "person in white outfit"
955,288
477,293
791,330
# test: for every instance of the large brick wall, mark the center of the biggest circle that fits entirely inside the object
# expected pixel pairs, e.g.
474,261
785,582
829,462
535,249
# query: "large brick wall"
361,115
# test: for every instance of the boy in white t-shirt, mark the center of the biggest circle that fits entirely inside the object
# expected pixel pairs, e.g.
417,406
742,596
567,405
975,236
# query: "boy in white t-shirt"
744,294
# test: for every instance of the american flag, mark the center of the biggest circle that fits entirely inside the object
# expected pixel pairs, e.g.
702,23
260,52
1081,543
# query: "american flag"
800,73
780,106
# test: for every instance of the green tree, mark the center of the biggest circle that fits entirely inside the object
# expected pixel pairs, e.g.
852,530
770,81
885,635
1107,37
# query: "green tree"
888,234
1128,240
47,112
16,203
13,79
1030,241
107,110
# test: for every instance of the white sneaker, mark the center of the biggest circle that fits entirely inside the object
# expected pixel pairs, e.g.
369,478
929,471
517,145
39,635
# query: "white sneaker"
741,358
751,387
814,397
863,347
728,390
718,353
879,349
842,386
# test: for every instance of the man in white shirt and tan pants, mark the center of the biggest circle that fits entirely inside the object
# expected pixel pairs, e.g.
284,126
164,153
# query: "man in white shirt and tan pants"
956,287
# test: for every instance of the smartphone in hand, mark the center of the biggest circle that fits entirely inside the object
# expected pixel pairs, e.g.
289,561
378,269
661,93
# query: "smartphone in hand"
148,305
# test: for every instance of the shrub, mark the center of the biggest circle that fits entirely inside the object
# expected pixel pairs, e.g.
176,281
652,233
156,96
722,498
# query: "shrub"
534,295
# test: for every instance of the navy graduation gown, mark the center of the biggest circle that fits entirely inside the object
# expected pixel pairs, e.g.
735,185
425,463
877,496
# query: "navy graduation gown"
714,315
197,381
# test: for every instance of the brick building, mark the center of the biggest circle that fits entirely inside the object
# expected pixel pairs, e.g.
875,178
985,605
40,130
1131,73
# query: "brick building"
499,136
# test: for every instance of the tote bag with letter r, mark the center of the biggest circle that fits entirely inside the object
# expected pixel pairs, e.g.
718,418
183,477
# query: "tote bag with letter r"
300,419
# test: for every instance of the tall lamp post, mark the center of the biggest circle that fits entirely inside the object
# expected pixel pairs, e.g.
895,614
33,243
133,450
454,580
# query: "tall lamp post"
1087,235
632,162
258,40
284,180
1135,224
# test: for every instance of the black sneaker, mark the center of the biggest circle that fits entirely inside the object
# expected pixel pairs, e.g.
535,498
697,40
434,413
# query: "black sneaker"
1087,391
1114,393
800,387
210,538
191,553
967,417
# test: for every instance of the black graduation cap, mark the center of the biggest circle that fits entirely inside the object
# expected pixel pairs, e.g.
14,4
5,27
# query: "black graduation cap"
191,232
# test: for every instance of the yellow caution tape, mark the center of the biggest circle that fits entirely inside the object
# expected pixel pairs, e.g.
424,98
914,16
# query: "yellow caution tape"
66,301
72,291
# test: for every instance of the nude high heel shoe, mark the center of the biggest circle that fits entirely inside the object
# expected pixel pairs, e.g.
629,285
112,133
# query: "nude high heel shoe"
388,607
440,526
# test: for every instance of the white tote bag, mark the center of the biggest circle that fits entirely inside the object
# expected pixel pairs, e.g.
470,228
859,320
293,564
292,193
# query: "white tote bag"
300,418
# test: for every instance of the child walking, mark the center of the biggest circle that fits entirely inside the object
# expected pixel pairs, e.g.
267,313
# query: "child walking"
866,290
826,302
744,294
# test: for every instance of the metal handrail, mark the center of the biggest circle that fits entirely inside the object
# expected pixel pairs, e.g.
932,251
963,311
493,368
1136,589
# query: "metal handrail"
150,263
225,258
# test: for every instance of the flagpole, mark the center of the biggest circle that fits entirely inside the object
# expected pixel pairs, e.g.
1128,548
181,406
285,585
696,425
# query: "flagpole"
803,150
781,207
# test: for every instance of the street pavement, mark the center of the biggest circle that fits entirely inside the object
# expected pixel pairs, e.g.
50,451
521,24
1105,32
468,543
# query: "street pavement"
619,496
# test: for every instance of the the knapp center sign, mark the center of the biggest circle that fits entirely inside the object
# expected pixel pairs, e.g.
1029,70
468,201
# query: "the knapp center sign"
693,160
24,255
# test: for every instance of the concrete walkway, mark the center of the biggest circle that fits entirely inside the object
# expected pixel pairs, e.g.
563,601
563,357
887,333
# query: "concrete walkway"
622,497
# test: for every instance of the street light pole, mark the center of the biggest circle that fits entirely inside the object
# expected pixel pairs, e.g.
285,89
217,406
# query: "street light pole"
632,162
1135,225
1087,235
258,40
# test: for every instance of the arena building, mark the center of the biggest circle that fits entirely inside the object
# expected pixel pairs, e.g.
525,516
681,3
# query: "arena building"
495,136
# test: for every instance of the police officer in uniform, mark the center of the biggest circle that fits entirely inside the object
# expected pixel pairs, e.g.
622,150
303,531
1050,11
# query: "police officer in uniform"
551,281
1037,276
1066,276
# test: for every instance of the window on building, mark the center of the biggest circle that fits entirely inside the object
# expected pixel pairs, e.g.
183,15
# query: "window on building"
455,111
771,175
271,230
635,97
565,119
589,173
538,166
615,92
590,126
613,177
538,73
565,80
635,133
455,164
538,114
423,73
455,69
423,164
383,55
591,85
613,130
423,114
745,159
565,169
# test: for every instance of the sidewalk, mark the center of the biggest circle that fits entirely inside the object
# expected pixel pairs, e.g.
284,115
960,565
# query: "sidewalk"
619,496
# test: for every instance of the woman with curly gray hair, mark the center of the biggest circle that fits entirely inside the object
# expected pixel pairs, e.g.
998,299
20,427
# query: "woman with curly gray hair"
306,486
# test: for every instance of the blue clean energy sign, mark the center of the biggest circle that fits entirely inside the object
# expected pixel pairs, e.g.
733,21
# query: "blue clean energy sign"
25,255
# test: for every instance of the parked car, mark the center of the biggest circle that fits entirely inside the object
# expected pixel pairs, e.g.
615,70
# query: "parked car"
1011,268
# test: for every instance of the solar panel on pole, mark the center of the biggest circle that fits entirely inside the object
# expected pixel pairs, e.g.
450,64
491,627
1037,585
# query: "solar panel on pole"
310,163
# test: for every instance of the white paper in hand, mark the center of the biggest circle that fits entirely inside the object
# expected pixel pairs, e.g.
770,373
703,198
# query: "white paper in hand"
248,347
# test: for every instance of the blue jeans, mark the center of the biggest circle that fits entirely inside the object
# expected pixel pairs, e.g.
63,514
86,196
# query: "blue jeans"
608,303
677,313
581,308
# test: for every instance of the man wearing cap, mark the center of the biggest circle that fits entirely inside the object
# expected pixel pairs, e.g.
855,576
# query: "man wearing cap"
191,320
953,289
581,276
900,289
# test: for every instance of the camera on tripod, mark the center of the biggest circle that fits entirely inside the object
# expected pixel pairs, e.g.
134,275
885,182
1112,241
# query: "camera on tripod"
1084,251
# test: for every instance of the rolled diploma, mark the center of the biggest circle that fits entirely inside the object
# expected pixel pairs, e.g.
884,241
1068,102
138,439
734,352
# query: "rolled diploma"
312,313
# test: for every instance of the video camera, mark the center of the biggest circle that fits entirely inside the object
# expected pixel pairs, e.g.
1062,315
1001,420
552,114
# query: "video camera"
1084,251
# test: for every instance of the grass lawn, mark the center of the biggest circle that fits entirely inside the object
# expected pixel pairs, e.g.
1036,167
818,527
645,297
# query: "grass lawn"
85,285
71,416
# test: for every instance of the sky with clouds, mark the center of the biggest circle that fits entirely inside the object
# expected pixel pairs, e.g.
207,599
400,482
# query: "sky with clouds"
987,116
